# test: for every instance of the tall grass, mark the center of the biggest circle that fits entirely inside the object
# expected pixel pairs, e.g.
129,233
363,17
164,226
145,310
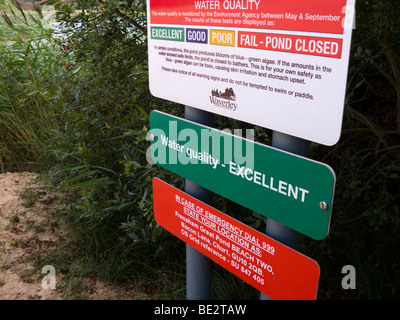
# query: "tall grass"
30,88
4,4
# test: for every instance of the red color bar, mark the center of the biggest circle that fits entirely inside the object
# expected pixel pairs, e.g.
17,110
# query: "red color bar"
325,47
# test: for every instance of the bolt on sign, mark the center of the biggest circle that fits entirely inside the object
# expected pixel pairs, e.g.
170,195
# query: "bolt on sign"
271,267
284,62
290,189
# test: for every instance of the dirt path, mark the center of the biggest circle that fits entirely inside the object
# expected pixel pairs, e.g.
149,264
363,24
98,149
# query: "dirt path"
25,232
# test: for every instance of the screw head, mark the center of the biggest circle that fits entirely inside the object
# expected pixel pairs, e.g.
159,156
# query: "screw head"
323,205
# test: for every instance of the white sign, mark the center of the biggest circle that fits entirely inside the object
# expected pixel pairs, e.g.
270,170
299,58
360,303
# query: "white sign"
278,64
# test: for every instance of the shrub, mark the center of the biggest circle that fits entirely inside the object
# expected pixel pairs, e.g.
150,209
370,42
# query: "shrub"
30,87
101,151
365,224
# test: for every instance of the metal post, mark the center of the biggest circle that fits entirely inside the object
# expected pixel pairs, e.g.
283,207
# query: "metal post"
198,266
274,229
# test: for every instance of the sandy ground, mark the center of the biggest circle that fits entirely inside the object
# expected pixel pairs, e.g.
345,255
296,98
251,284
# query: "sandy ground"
26,232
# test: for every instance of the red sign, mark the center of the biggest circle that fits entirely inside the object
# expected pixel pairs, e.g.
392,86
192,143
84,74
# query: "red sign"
317,46
324,16
271,267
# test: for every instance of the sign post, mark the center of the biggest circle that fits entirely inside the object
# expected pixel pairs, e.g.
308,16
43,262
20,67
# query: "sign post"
198,266
275,229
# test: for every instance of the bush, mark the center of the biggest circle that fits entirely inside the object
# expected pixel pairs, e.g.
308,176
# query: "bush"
365,228
4,4
101,151
30,87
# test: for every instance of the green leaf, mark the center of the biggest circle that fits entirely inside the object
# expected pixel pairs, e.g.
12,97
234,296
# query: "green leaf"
79,177
90,184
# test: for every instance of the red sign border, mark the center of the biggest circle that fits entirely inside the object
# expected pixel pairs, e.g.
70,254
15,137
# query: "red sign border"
296,275
296,37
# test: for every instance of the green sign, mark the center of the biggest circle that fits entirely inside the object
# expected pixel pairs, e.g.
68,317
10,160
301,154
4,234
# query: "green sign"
292,190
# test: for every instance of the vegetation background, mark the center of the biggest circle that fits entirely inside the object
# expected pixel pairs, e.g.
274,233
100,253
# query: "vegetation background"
75,104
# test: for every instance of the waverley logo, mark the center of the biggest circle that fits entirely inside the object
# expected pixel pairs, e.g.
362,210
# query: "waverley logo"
224,99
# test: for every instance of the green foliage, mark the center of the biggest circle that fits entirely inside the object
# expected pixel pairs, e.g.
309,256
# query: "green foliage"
101,150
4,4
365,228
30,87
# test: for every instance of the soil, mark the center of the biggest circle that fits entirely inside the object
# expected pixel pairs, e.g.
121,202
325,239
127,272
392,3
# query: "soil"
26,232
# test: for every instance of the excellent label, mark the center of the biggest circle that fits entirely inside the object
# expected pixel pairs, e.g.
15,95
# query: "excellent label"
271,267
174,34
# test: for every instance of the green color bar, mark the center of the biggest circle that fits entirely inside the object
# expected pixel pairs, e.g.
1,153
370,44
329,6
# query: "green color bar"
164,33
292,190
